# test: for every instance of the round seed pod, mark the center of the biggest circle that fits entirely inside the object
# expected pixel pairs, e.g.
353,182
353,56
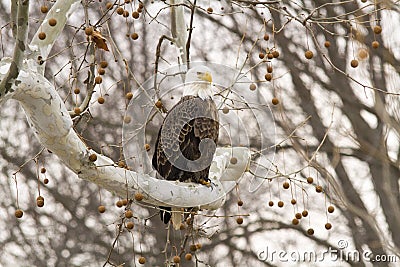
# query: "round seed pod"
42,35
52,22
101,209
89,30
309,54
19,213
142,260
44,9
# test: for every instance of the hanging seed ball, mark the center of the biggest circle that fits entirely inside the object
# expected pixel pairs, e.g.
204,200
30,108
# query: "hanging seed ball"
101,209
103,64
268,77
120,11
310,231
210,10
93,157
43,170
130,225
193,247
101,100
147,147
101,71
363,53
129,95
328,226
331,209
40,201
98,80
134,36
225,110
127,119
266,37
158,104
269,69
109,5
293,201
42,35
354,63
304,213
176,259
119,203
275,101
128,214
280,203
239,220
309,54
199,246
19,213
261,55
275,53
142,260
46,181
77,91
270,203
233,160
318,189
138,196
44,9
377,29
77,110
285,185
327,44
188,257
270,56
141,5
298,215
125,14
295,221
310,180
375,44
125,202
135,14
240,203
52,22
253,87
89,30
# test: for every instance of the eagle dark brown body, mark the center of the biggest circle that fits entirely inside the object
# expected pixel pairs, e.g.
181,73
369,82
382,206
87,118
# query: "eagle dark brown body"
178,153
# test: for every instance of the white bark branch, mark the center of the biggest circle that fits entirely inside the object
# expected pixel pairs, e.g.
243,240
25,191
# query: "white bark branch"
49,118
61,11
179,28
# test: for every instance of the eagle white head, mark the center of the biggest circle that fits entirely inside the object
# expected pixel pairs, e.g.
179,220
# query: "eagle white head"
198,82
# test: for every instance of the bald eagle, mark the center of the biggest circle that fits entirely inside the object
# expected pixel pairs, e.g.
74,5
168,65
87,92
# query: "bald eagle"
187,138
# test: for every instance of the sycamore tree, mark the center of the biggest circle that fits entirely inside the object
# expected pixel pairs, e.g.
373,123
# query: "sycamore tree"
307,160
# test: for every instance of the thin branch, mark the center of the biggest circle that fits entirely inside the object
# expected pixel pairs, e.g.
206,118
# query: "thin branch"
20,43
193,10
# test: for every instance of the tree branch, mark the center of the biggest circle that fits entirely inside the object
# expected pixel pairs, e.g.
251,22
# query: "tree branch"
60,11
21,7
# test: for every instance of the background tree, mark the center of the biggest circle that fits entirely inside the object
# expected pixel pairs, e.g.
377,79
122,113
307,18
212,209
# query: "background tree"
331,72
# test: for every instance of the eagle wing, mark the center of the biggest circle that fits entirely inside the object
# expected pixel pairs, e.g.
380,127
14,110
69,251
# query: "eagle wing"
179,152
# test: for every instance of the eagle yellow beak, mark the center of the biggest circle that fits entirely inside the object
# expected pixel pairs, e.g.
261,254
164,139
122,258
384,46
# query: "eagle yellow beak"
205,76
